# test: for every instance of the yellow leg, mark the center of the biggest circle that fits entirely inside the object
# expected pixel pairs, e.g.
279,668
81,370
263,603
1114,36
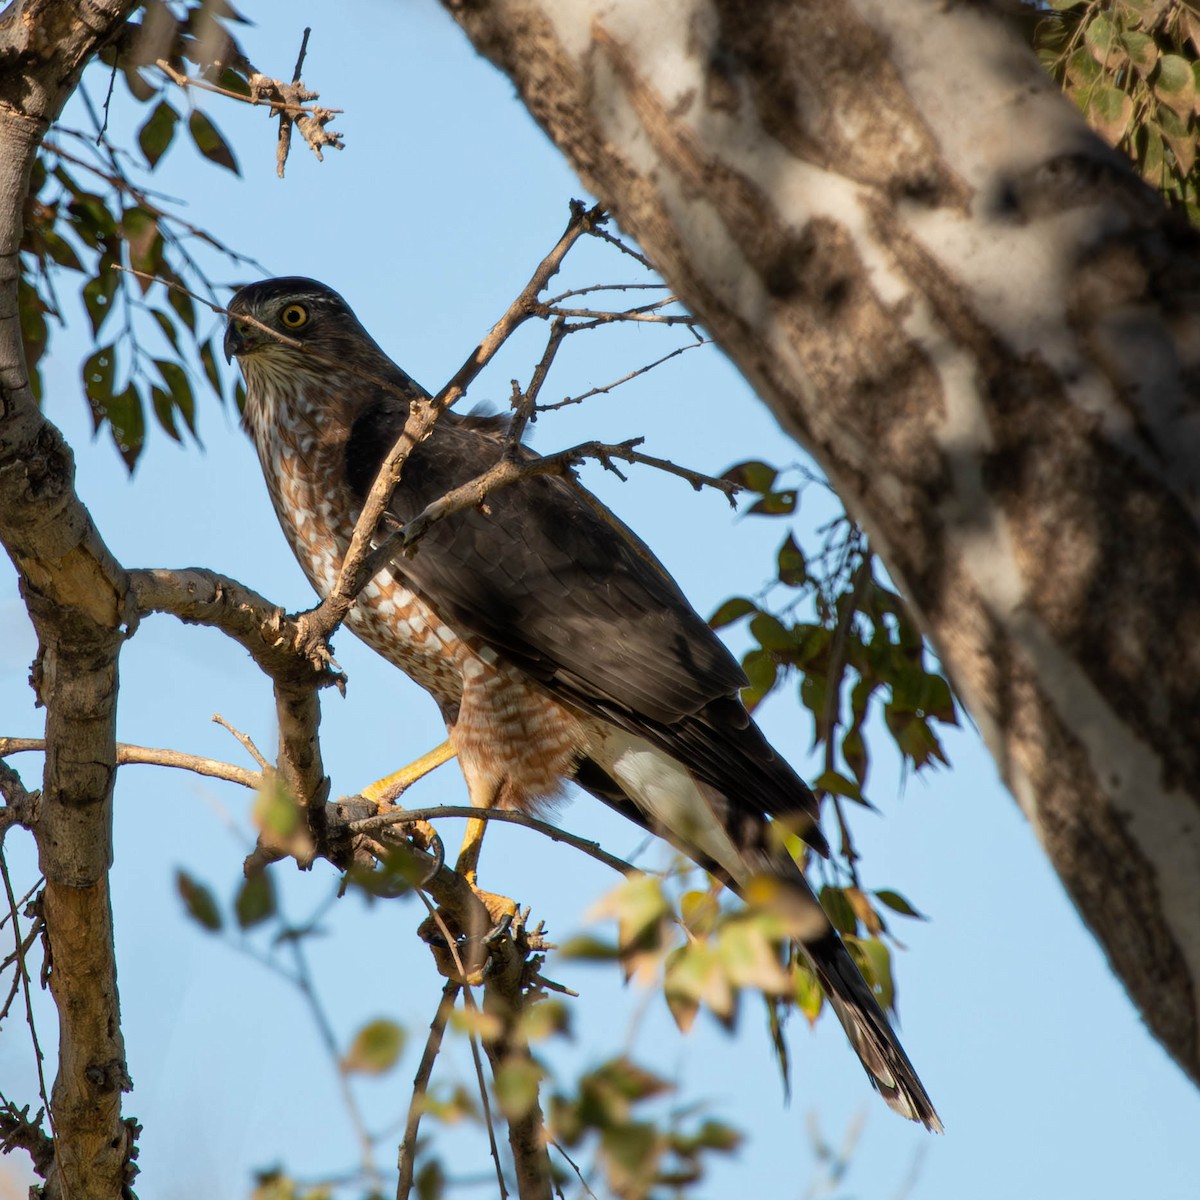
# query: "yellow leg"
468,857
385,790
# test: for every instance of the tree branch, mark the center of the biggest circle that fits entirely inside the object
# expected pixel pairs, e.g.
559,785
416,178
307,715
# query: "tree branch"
75,593
407,1154
355,572
403,816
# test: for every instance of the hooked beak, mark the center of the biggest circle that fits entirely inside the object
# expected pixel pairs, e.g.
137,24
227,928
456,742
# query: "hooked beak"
236,341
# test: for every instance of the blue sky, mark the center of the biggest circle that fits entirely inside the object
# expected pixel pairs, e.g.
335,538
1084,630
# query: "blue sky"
429,222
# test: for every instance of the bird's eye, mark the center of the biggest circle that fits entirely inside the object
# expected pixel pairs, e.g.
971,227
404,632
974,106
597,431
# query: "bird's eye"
295,316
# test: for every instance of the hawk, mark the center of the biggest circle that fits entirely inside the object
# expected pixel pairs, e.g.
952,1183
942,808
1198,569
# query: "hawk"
556,646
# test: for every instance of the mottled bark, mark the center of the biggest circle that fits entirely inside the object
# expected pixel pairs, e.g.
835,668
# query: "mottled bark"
985,329
75,594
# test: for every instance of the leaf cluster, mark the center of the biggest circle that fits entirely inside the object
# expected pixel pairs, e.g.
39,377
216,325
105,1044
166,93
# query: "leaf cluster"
828,618
90,213
1131,67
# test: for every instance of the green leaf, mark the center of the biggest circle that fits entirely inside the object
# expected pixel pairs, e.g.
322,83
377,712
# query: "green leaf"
836,784
98,372
897,903
1110,111
157,132
775,504
139,228
61,251
875,962
185,310
544,1019
838,909
793,568
98,293
1102,39
630,1081
516,1087
699,911
854,751
732,610
807,991
180,387
210,143
771,633
376,1047
1152,155
1083,69
208,360
762,670
127,423
1175,85
589,949
1142,50
255,900
164,410
753,476
198,900
1181,140
168,328
275,811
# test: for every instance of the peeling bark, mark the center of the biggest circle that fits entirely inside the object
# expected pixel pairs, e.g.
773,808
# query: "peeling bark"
986,331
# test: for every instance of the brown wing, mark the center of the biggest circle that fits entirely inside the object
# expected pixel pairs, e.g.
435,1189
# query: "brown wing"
563,590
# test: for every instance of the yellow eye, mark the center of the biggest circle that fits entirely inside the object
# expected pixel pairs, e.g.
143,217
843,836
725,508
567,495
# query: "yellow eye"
294,316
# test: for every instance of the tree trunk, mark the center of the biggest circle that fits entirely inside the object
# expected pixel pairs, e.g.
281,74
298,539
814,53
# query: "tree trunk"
985,330
76,595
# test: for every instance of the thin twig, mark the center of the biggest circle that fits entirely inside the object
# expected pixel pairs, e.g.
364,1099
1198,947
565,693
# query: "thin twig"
180,79
510,469
606,287
591,318
142,198
574,1167
247,743
837,667
604,235
128,754
24,974
469,1001
526,402
402,816
616,383
406,1158
422,415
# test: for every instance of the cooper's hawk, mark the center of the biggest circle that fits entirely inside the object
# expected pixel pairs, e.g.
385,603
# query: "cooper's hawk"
555,644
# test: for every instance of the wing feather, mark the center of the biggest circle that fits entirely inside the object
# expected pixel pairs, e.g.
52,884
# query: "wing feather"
563,590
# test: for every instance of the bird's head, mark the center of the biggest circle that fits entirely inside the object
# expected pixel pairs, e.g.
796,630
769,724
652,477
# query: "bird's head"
299,344
290,320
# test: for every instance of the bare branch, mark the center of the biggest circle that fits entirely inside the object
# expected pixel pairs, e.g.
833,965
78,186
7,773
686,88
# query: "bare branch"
291,101
355,573
406,1157
23,974
616,383
472,1037
604,235
606,287
245,741
20,1131
149,756
401,816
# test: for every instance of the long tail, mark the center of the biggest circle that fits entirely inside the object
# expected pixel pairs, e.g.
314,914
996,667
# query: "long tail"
867,1027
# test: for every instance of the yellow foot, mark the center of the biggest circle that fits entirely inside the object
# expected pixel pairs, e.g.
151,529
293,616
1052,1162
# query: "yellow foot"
470,953
383,792
499,907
